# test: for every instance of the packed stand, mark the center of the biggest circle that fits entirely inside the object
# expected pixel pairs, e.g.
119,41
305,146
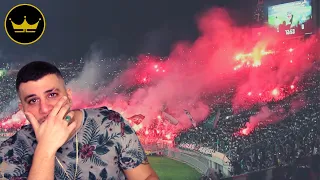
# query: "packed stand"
276,144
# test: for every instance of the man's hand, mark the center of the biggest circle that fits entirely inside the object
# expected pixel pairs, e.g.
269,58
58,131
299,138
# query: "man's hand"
54,131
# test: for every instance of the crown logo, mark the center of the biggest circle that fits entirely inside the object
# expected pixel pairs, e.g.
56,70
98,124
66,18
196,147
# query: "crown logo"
25,27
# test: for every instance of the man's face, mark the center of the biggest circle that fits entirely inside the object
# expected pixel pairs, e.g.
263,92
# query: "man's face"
39,97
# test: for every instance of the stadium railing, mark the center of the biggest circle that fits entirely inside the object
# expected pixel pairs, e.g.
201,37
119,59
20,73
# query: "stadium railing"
187,159
303,168
198,161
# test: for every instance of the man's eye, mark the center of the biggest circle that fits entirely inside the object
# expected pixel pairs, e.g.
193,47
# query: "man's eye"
32,101
53,94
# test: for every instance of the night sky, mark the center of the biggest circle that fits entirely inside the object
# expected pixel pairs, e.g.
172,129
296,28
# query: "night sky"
117,27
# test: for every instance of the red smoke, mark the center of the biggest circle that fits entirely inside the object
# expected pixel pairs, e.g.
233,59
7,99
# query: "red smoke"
258,66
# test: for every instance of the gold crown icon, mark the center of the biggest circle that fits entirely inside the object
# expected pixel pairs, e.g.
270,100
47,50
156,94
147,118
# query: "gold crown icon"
25,27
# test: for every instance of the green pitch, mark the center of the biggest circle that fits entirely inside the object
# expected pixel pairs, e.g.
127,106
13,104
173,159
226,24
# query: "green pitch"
168,169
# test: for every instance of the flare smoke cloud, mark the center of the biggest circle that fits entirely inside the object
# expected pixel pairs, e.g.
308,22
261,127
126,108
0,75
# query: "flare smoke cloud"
197,75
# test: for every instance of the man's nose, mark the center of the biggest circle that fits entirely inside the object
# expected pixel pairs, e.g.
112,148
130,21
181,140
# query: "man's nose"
45,107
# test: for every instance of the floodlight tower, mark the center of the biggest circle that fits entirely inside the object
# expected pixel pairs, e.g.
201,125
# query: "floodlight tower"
258,15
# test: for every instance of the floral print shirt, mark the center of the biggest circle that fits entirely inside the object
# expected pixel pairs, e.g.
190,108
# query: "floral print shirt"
107,145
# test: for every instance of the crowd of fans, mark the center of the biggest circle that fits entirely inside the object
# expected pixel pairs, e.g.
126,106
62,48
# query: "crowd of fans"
275,144
280,143
7,82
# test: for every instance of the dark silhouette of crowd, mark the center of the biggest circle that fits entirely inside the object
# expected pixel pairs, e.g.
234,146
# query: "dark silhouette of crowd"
276,144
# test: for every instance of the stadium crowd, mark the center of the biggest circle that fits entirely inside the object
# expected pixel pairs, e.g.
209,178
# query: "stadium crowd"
282,143
7,82
275,144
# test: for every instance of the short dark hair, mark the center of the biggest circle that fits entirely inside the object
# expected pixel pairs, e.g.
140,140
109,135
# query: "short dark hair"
34,71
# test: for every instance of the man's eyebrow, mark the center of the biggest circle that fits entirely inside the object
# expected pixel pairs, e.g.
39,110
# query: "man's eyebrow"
29,96
51,90
47,91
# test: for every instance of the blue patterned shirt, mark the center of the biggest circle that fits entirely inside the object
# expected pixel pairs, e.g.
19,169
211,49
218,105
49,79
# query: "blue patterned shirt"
107,146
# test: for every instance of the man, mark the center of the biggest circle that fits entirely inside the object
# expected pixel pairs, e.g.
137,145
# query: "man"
64,144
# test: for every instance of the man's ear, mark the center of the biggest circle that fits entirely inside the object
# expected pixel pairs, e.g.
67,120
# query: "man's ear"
20,106
69,93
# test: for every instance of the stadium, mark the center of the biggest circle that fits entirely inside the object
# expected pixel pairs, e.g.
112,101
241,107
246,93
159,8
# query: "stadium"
214,109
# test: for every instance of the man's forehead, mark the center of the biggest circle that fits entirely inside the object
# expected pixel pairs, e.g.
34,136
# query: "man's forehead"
48,80
40,87
41,91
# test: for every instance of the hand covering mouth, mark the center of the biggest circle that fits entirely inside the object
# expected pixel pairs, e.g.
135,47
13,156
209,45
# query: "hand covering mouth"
43,119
